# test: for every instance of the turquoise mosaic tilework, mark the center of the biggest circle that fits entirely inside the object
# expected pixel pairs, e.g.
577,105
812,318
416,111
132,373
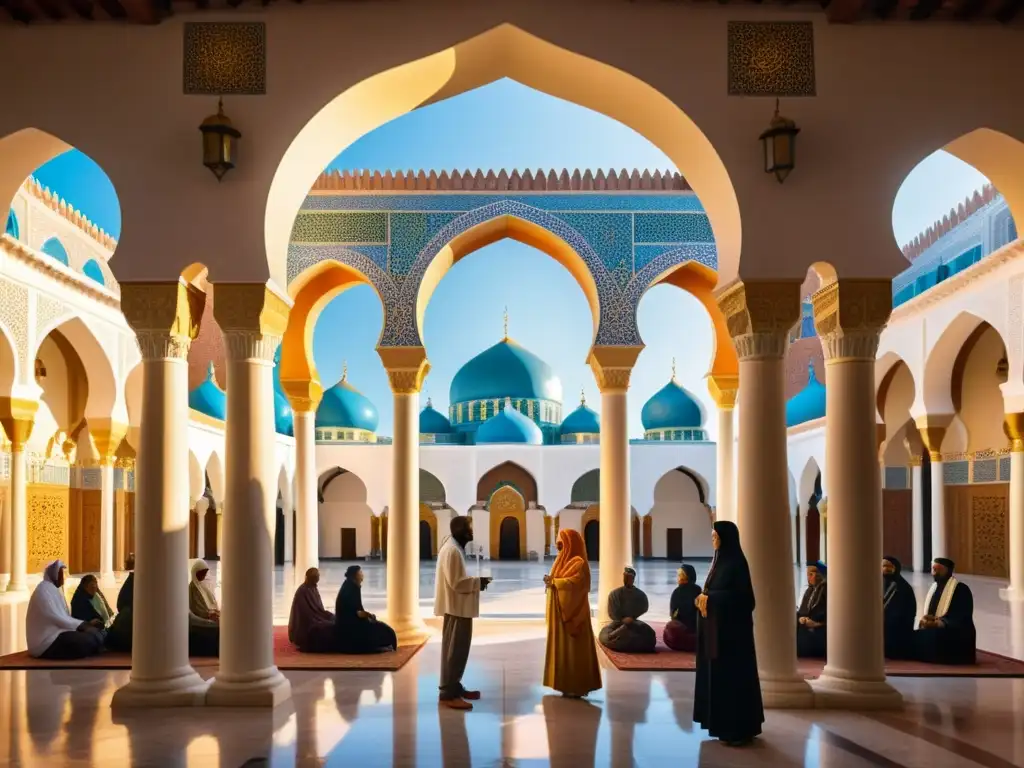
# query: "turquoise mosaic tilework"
410,232
609,234
1004,469
378,254
985,471
577,201
645,254
955,472
340,228
673,228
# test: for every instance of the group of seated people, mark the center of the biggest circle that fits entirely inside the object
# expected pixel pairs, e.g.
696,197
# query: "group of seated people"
944,635
350,629
625,632
90,626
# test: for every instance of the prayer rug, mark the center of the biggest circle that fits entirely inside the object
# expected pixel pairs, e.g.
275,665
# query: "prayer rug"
663,659
286,656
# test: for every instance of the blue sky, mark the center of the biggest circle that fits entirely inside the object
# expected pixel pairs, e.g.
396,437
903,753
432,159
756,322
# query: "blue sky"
507,125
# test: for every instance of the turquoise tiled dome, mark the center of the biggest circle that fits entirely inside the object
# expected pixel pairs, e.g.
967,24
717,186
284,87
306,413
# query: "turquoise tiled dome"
345,407
284,420
208,398
672,407
433,422
509,426
807,404
505,370
582,421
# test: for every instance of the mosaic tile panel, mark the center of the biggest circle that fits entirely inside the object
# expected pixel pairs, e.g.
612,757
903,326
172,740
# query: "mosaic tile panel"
672,228
896,478
364,227
1004,469
956,472
302,257
771,58
610,235
91,478
410,233
663,201
701,253
645,254
986,471
988,532
225,58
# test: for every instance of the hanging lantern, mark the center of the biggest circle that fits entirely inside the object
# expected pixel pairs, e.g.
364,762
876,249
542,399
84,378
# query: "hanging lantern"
219,137
780,145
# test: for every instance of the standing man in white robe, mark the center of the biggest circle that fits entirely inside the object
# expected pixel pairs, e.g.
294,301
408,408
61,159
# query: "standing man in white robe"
457,599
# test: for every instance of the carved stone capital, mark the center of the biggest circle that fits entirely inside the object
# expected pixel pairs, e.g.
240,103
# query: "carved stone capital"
18,416
612,366
407,367
849,315
915,461
932,429
250,307
250,345
107,435
1013,426
723,390
165,317
759,315
162,345
304,396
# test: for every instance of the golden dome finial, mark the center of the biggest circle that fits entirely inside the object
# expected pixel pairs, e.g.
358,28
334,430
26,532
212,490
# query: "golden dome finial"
344,370
583,397
505,338
673,369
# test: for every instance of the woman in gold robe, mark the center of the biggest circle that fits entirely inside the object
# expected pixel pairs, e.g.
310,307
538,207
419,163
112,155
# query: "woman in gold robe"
570,662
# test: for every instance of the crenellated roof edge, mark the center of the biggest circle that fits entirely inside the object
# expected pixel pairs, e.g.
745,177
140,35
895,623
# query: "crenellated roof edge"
970,206
540,180
66,210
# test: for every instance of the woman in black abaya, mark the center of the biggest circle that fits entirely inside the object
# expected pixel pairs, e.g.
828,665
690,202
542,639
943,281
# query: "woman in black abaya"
727,696
356,630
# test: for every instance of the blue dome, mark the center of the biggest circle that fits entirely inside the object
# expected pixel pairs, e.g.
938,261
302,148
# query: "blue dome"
582,421
672,407
284,421
208,398
509,426
433,422
807,404
345,407
55,250
93,271
12,227
505,370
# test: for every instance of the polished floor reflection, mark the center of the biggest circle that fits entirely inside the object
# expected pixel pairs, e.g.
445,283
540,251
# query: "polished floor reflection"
384,719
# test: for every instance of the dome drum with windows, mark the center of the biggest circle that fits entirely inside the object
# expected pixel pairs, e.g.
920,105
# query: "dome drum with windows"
673,414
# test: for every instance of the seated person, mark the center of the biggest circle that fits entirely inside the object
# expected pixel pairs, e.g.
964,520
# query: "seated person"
946,633
310,626
201,599
50,630
90,604
119,635
203,636
127,593
357,631
899,607
810,616
626,633
681,632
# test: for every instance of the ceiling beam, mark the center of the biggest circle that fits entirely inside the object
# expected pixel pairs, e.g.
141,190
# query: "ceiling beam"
141,11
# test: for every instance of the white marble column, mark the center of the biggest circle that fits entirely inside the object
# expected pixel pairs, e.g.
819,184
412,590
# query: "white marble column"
248,675
917,513
19,517
161,675
1014,427
760,315
107,435
201,506
854,675
612,367
307,514
933,429
723,391
406,367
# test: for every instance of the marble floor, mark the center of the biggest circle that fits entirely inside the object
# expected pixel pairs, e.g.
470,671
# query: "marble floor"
383,719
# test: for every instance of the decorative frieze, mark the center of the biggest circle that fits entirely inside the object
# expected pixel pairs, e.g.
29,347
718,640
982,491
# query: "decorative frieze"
612,366
622,180
849,315
759,315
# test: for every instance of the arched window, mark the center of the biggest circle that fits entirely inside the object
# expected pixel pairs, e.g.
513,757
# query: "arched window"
55,250
12,227
93,272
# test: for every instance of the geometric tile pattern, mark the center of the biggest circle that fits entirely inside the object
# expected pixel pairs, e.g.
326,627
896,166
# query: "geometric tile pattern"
985,471
774,58
625,240
896,478
956,472
225,58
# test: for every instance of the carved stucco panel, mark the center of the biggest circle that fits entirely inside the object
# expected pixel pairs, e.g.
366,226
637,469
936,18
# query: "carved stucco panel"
14,314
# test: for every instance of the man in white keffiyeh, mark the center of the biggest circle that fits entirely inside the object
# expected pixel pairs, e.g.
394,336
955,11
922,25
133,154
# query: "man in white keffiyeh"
946,633
50,630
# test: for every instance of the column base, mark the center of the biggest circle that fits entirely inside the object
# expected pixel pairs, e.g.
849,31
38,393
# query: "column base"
1012,594
184,689
411,631
265,688
790,693
842,693
13,586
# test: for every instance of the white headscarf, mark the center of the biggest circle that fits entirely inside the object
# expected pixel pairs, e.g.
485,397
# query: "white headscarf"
47,615
205,586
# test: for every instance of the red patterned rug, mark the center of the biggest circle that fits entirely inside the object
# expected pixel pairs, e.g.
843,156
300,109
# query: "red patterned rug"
664,659
286,656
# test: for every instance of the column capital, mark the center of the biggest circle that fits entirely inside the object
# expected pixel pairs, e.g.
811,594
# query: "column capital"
933,429
165,317
303,395
723,389
252,317
849,315
1013,426
759,315
407,367
107,435
18,416
612,366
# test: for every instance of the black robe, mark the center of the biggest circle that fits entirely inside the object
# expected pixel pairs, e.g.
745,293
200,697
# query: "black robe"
682,605
82,607
899,607
354,634
727,693
954,643
127,594
811,642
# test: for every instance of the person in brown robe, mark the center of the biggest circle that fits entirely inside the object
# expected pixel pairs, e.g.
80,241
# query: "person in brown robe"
310,625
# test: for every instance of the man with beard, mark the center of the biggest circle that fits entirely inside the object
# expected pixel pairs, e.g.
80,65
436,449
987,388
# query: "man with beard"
812,613
899,606
457,599
946,633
